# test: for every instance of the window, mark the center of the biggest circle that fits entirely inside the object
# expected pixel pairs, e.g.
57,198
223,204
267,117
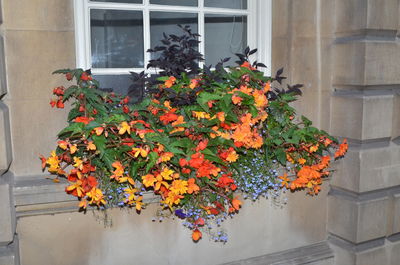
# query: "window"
112,36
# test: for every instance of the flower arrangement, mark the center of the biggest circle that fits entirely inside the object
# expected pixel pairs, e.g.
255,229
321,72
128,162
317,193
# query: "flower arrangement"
197,142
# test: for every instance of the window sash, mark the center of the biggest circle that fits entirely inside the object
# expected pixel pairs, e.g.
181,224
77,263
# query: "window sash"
258,28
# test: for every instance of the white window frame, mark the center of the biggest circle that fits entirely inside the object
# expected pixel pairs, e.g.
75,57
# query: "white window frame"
259,29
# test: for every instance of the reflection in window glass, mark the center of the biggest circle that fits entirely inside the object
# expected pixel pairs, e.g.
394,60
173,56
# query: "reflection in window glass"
236,4
120,84
225,35
166,22
116,38
120,1
175,2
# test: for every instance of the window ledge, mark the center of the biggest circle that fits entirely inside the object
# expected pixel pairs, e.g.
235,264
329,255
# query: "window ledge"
36,195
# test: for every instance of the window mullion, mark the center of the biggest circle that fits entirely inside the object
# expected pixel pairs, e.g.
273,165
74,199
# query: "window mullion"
146,33
201,29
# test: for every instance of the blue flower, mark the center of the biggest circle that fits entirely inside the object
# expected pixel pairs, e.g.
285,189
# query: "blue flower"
180,213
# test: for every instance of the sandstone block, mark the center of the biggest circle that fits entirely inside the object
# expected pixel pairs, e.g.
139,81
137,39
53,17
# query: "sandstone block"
5,140
56,50
368,169
355,220
6,221
356,15
396,216
39,15
366,63
360,116
348,254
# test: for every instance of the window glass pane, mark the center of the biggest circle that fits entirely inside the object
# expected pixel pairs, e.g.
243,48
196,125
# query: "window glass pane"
116,38
167,22
175,2
237,4
120,84
120,1
225,35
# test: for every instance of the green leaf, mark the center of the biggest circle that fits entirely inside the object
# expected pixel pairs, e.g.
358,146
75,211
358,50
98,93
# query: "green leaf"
281,156
153,156
74,128
100,142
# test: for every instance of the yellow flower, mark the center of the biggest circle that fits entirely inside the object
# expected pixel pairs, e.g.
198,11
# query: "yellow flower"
54,162
127,179
201,115
96,196
78,162
148,180
91,146
166,173
232,156
164,157
136,151
124,127
179,186
172,199
73,149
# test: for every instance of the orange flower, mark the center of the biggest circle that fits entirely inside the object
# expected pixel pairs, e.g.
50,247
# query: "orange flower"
236,204
91,146
168,117
148,180
196,235
192,187
170,82
119,170
63,145
196,160
221,116
301,161
285,181
342,149
84,120
98,130
236,99
202,145
164,157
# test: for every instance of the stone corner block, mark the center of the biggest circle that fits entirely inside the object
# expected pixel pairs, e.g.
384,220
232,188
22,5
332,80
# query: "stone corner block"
7,215
396,215
362,117
5,139
352,256
365,63
368,169
355,15
357,221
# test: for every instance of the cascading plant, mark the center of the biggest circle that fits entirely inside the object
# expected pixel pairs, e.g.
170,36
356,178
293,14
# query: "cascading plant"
199,140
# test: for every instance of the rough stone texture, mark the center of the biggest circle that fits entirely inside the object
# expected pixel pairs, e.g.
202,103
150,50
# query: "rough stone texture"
30,93
396,215
251,233
373,256
51,15
5,140
394,252
396,118
7,226
367,169
367,63
358,116
356,15
357,221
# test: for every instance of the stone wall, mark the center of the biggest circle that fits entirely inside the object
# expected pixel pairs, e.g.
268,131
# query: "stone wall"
364,201
345,54
8,242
